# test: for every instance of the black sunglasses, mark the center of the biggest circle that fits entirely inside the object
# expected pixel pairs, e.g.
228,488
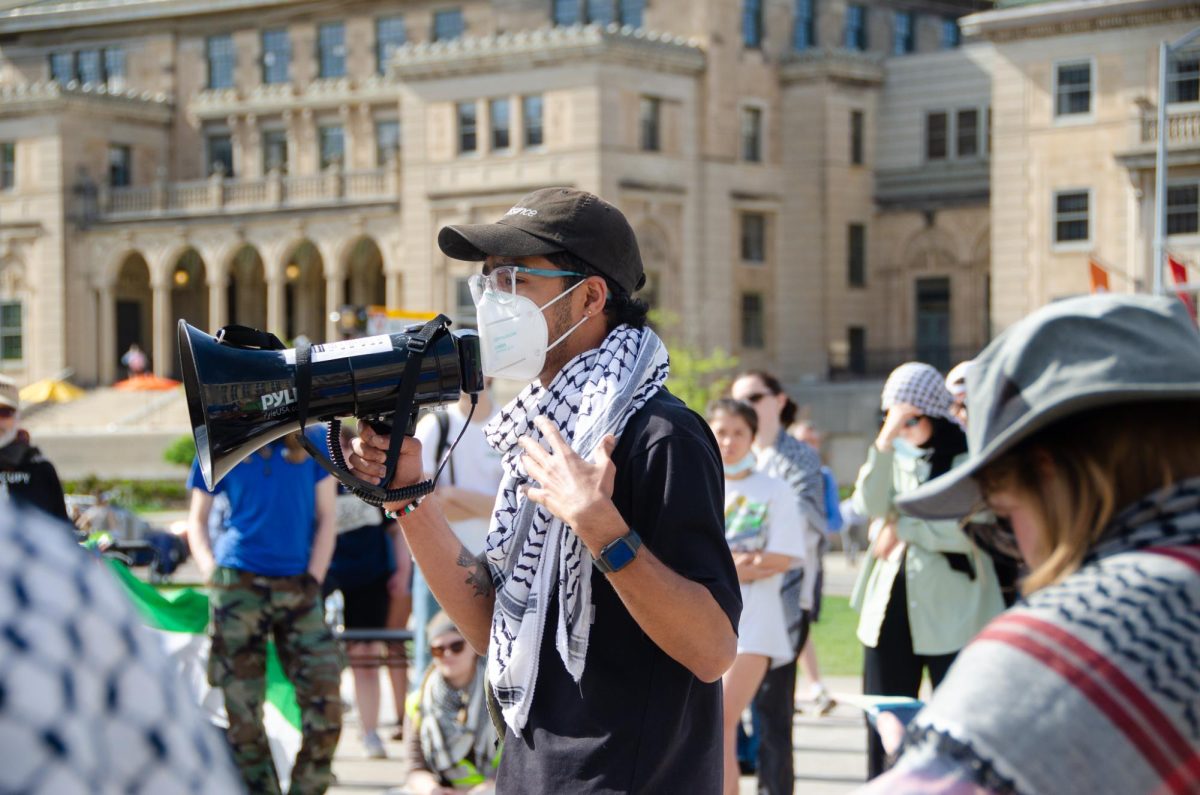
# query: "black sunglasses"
757,396
453,647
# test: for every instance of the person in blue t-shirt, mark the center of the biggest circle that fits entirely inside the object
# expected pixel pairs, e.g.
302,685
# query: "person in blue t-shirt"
265,573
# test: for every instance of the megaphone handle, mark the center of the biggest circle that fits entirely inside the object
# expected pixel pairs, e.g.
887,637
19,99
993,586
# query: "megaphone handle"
384,428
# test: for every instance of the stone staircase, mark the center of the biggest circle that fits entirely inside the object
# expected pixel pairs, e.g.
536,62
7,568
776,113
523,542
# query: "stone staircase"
111,434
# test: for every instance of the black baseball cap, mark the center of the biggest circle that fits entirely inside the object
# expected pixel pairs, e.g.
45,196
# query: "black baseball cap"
551,220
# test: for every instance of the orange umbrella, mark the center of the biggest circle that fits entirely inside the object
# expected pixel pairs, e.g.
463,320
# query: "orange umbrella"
146,383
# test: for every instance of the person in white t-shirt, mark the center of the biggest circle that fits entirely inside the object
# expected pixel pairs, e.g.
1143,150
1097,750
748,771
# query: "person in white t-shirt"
467,487
761,524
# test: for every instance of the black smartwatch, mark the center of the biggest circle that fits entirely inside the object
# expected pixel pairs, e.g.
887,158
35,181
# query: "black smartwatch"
619,553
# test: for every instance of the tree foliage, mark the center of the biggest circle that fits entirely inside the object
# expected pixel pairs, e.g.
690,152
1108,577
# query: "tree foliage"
697,378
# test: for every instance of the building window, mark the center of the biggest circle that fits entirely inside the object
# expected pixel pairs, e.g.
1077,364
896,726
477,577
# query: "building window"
331,50
856,137
752,23
390,35
120,170
91,71
219,150
531,115
464,304
951,35
566,12
62,67
114,68
1183,209
754,237
601,12
387,141
1073,88
856,342
448,25
752,135
1071,216
856,255
332,139
966,133
276,56
275,150
498,114
631,12
753,321
467,128
222,58
1183,78
11,338
937,134
856,27
8,165
904,38
649,115
804,31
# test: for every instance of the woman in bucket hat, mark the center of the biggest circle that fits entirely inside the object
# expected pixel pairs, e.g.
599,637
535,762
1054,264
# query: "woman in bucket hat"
1084,442
925,588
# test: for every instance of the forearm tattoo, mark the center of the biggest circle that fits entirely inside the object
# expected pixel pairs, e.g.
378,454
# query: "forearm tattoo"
479,578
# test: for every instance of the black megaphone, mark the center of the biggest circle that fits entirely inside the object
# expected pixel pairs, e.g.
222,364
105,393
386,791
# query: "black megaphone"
245,390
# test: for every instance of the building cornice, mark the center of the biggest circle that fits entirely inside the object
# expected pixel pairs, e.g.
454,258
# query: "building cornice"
1066,17
837,65
548,47
282,97
49,96
34,17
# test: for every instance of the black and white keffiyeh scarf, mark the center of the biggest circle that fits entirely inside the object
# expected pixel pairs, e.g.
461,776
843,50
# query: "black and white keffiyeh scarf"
529,551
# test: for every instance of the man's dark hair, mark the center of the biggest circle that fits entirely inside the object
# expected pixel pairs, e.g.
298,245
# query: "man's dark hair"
621,308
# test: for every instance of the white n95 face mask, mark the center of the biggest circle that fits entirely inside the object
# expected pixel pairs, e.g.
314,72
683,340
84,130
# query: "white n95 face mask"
513,334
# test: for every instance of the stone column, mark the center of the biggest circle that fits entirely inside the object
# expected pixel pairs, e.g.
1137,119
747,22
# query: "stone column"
394,286
218,303
333,301
276,322
160,321
107,312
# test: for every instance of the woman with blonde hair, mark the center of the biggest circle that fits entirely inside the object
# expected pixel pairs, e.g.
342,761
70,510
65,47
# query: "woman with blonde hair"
1084,443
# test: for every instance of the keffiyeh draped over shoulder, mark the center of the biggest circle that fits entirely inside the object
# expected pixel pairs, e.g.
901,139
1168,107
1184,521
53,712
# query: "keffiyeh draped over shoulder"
530,552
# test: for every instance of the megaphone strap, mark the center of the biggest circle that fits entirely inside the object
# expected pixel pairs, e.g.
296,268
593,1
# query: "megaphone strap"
418,343
246,337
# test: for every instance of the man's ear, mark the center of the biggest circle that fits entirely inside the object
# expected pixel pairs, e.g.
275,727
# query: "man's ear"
595,295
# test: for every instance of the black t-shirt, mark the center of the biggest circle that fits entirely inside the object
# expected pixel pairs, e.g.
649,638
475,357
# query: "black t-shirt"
638,721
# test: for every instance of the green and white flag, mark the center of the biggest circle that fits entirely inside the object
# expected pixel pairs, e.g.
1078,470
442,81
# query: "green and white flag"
180,618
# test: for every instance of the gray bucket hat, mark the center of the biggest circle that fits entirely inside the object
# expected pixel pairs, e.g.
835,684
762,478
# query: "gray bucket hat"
1070,356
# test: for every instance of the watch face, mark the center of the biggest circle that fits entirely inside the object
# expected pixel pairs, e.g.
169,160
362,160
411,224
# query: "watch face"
619,555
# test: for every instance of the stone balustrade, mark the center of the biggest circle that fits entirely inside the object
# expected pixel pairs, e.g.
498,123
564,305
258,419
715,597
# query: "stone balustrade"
276,191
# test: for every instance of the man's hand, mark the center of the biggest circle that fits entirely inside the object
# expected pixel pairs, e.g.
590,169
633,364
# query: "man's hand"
578,492
369,458
886,540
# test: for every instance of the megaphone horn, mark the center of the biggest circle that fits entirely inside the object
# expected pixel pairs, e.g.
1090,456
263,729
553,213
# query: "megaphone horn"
245,390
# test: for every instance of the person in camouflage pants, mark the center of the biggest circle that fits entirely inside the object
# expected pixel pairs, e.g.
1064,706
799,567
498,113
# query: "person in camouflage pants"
248,610
265,571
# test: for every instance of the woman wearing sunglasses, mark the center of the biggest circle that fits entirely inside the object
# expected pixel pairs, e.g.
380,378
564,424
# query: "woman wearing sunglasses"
452,745
1084,445
925,588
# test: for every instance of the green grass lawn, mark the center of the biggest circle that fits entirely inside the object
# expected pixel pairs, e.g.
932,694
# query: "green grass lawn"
838,650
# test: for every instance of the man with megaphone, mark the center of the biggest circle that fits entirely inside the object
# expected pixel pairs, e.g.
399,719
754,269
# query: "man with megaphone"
607,601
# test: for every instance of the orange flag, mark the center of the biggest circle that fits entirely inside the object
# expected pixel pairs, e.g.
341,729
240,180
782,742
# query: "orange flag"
1098,275
1179,275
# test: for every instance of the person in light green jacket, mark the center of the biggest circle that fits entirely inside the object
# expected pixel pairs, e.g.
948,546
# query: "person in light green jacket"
925,589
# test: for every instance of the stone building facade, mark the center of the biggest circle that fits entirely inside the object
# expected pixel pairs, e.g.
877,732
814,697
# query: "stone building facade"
1075,99
264,162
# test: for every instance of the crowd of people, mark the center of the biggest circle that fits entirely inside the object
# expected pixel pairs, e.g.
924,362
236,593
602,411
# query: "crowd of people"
615,593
